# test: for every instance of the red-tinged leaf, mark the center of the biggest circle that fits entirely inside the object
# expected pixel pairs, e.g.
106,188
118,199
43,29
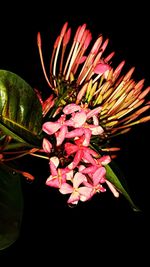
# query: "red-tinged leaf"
20,109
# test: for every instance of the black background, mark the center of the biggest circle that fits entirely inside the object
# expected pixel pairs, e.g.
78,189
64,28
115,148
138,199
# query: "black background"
104,224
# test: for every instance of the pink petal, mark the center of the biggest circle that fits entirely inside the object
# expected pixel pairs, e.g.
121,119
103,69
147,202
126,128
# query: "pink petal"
112,188
105,160
89,170
66,188
101,68
85,193
70,108
53,182
70,166
95,120
79,141
53,169
77,158
62,176
69,122
47,146
78,179
92,152
87,133
70,148
88,157
103,180
98,175
96,130
93,112
62,119
79,119
75,133
74,198
60,136
69,175
51,127
55,161
87,184
81,168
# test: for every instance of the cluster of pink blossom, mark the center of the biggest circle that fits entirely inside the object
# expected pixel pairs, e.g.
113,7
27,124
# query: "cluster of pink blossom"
85,173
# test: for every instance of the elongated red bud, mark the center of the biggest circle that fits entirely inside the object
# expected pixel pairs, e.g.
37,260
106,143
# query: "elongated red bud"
28,176
67,37
119,68
64,28
39,42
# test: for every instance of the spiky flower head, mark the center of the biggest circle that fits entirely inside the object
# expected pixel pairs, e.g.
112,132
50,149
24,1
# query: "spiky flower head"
81,73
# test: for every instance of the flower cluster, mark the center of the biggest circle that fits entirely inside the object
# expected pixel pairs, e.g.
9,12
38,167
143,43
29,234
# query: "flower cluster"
86,167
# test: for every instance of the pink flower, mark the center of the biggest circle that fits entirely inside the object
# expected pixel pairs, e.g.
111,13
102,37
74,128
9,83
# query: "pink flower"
82,152
78,120
70,108
98,177
58,175
59,128
92,168
82,193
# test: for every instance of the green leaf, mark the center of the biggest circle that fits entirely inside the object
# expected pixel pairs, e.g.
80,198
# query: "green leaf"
119,183
20,109
11,206
111,176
